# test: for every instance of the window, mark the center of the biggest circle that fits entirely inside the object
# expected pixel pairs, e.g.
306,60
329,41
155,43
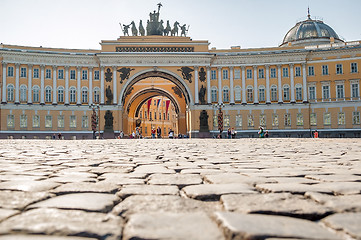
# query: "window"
60,121
354,68
287,120
96,75
237,73
48,121
237,94
48,94
72,94
160,116
299,119
214,94
10,90
84,74
60,94
23,91
48,73
155,115
273,93
285,72
324,69
213,74
225,94
312,92
23,121
10,71
339,69
261,93
286,92
356,118
327,118
250,121
215,121
311,71
274,120
273,73
11,121
23,72
249,94
155,102
36,73
150,115
164,116
297,71
262,120
325,92
340,91
298,92
260,73
36,121
84,122
341,118
225,74
36,91
226,121
61,73
84,95
238,120
249,73
72,74
96,95
355,90
72,122
313,119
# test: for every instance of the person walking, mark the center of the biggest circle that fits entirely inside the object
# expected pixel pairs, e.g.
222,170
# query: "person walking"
229,133
266,135
153,132
159,132
315,134
261,132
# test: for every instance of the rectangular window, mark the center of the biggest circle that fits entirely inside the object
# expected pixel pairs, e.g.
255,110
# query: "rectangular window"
61,121
286,93
23,121
250,121
356,118
327,118
273,93
312,92
237,73
23,72
213,74
261,94
354,68
48,121
84,122
313,119
155,115
249,95
285,72
36,121
299,119
341,118
214,95
85,74
72,121
274,120
225,74
96,75
339,69
324,69
215,121
287,120
11,121
355,90
261,73
238,120
298,93
36,73
311,71
262,120
298,71
340,91
61,73
226,120
72,74
10,71
273,73
325,92
249,73
48,73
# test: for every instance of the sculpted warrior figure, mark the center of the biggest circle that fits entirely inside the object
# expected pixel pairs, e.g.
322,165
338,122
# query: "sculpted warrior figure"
202,93
184,30
125,29
109,95
141,28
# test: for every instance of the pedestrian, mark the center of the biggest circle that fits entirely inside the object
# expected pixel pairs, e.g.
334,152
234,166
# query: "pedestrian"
233,133
266,135
59,136
54,137
261,132
153,132
315,134
159,132
121,134
229,133
171,133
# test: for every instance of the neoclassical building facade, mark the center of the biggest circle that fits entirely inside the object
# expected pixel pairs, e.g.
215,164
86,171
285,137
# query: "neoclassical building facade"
311,81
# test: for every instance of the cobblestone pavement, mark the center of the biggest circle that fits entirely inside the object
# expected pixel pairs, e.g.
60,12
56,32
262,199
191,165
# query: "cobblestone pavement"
180,189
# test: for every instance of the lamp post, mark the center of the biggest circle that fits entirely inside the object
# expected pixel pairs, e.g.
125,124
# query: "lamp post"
220,117
95,119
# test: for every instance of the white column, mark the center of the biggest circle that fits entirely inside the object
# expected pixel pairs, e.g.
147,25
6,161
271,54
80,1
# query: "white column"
255,85
102,85
280,99
196,88
114,85
30,83
293,100
42,84
209,97
78,100
66,90
90,85
304,83
268,93
54,84
17,82
244,99
4,83
219,69
231,85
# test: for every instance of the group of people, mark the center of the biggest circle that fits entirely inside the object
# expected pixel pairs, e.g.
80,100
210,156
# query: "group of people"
263,133
231,133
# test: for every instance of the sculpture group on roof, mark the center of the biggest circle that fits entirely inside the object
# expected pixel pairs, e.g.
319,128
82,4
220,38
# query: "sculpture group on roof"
155,27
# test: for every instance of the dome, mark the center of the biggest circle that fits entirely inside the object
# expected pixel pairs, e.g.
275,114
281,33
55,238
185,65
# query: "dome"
310,32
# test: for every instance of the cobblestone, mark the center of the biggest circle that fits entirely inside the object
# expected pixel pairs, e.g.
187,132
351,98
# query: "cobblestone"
180,189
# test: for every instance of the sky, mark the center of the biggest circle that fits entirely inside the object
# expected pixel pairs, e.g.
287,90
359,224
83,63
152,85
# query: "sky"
82,24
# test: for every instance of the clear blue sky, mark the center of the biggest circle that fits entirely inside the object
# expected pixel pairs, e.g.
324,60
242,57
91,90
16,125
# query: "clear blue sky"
248,23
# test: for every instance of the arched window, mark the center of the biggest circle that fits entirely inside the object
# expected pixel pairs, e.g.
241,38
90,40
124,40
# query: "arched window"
286,92
249,94
237,94
10,91
273,93
72,94
225,94
47,94
261,93
84,95
96,94
214,94
298,91
23,93
36,90
60,94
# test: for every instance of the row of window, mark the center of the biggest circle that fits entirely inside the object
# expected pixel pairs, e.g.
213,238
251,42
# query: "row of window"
48,73
48,121
285,72
341,120
145,115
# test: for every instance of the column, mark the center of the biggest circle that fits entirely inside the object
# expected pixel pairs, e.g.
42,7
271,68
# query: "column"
280,99
231,86
196,88
219,69
90,85
304,83
4,83
17,82
255,85
101,85
115,85
30,84
78,100
42,84
244,99
268,93
54,84
293,100
66,90
209,96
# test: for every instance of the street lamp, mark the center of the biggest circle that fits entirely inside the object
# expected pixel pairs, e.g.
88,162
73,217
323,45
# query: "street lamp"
95,119
220,117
